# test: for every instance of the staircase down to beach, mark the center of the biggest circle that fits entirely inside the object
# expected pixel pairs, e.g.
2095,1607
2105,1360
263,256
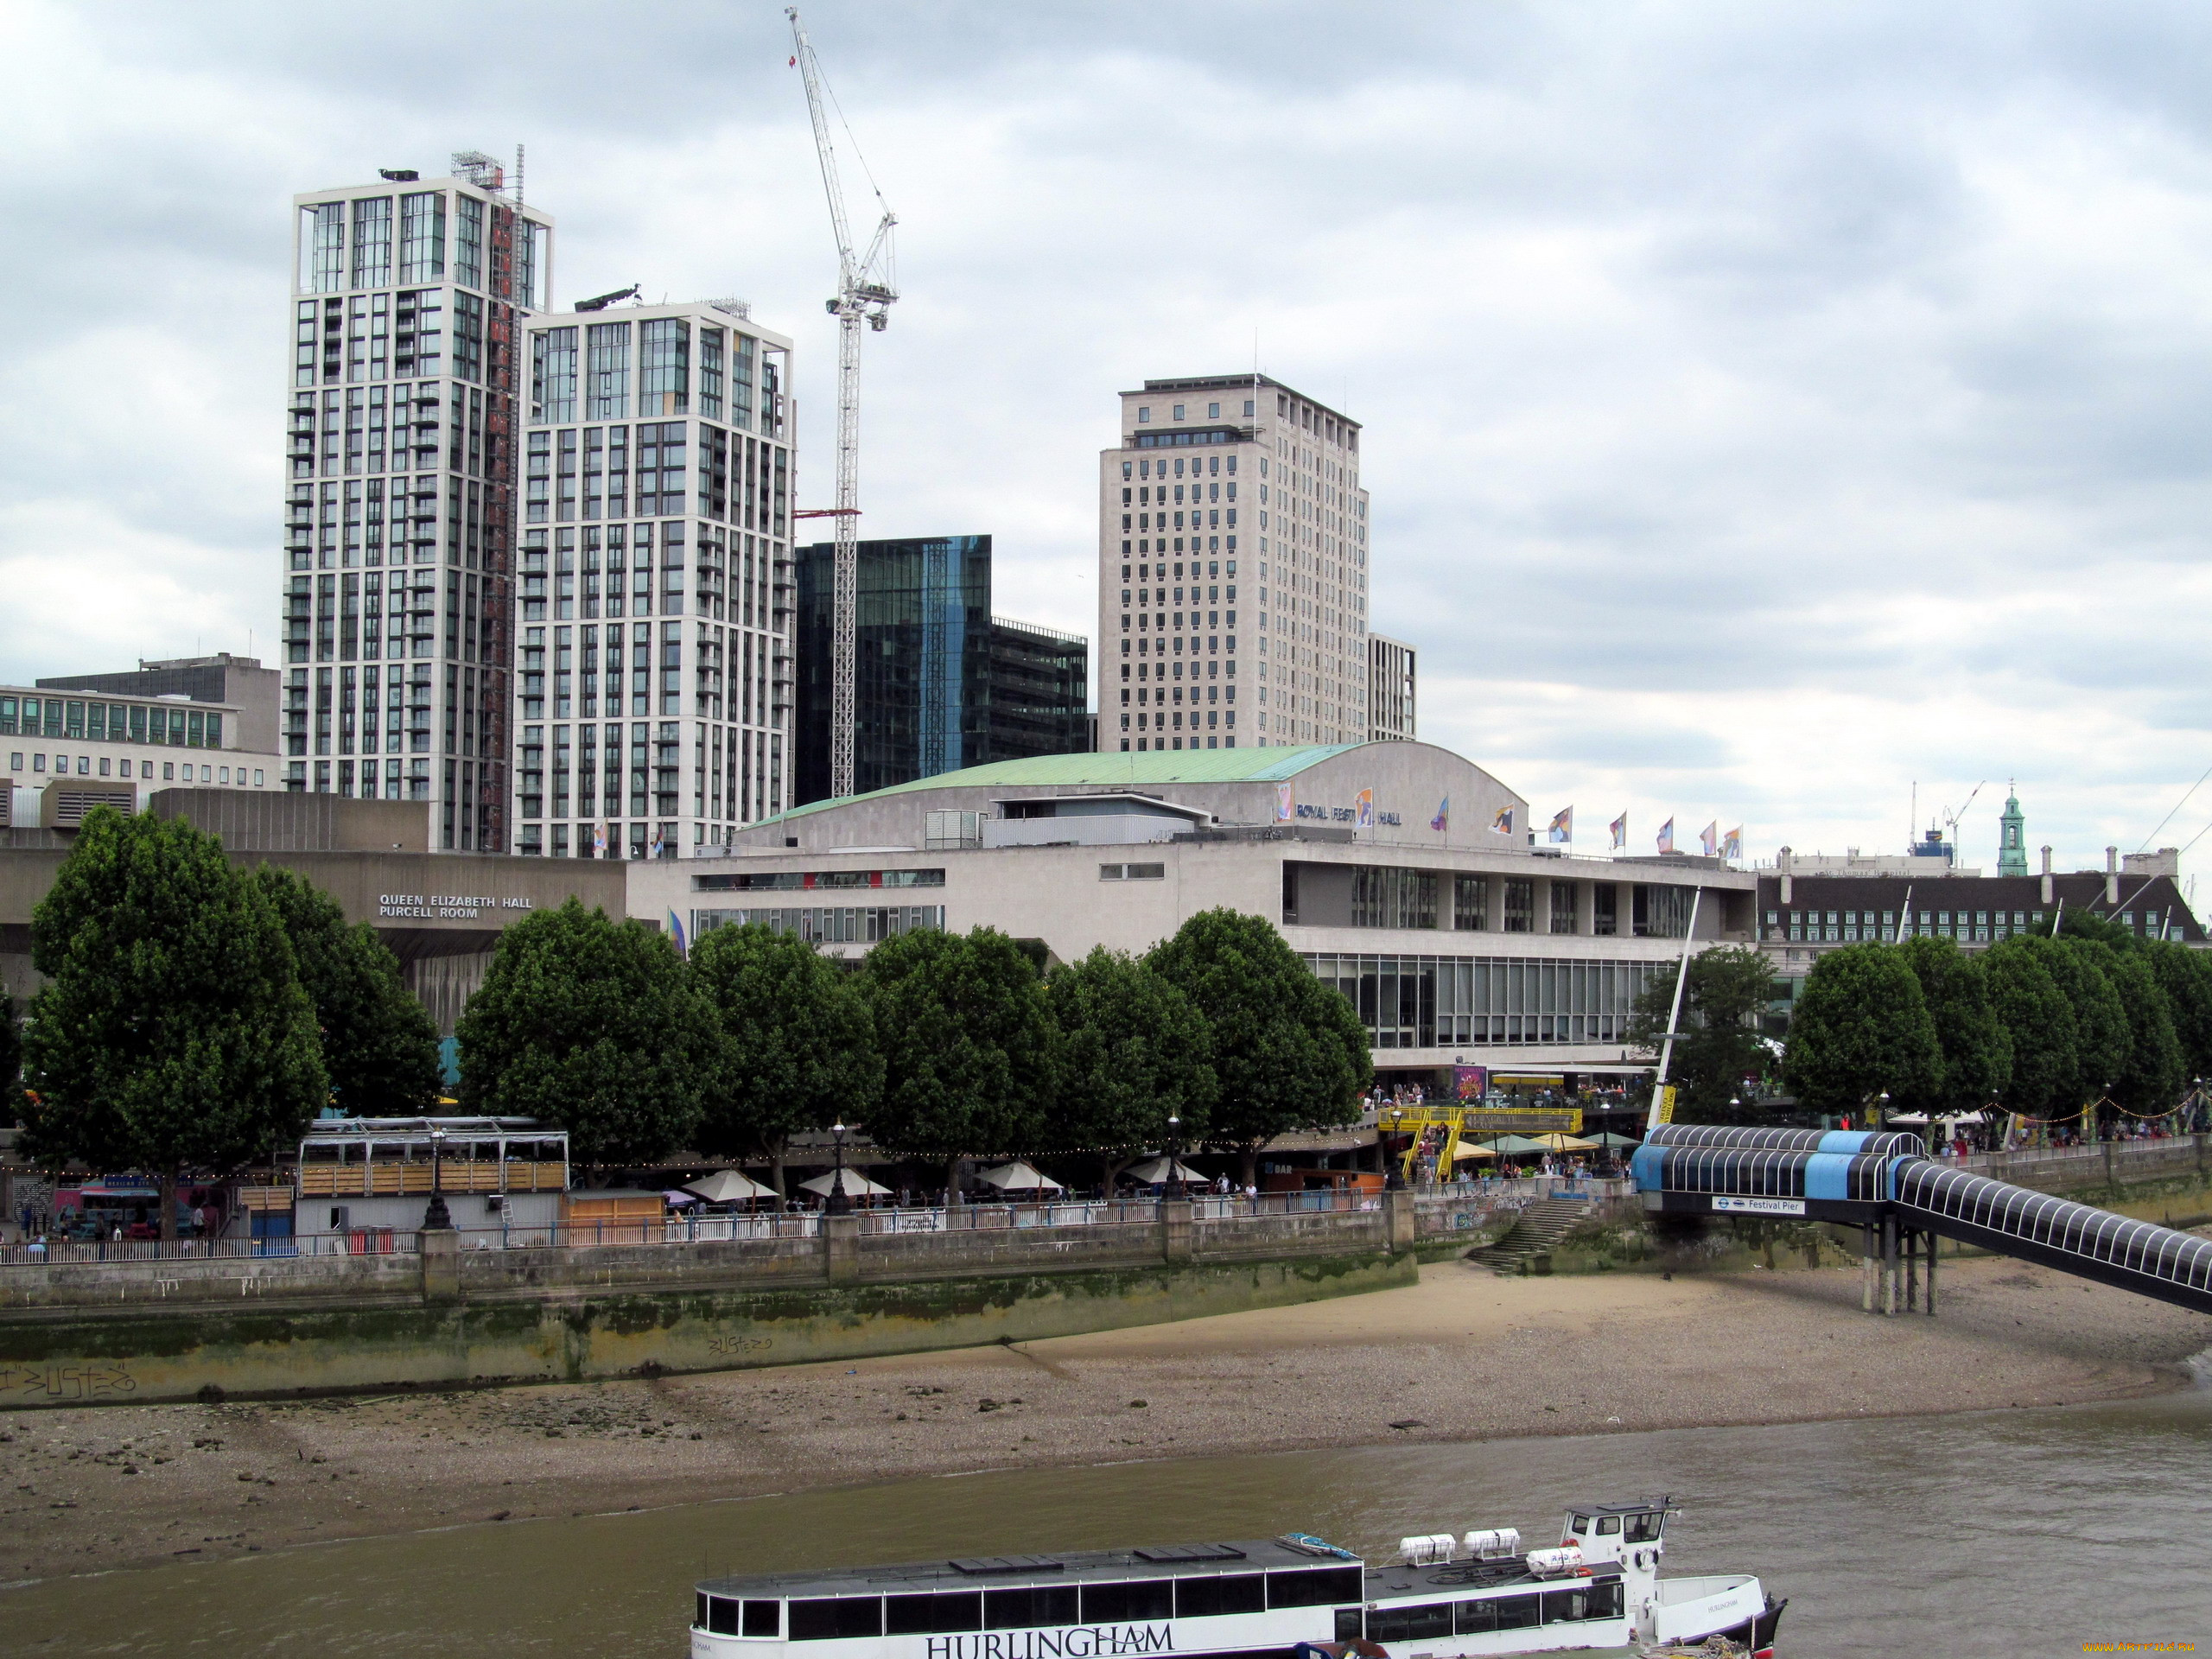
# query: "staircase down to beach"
1534,1234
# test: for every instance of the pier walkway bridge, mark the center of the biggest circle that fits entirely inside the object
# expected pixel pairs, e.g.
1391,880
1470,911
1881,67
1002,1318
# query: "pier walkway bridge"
1901,1200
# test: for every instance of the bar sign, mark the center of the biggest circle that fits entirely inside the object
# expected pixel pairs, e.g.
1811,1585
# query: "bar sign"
1760,1206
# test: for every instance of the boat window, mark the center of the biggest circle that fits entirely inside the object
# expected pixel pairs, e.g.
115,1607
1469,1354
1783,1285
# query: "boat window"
956,1610
1561,1606
1607,1600
1609,1524
1518,1612
1034,1605
1313,1587
1473,1617
1351,1624
717,1614
1578,1523
1128,1603
764,1618
832,1617
1644,1528
1388,1625
1231,1592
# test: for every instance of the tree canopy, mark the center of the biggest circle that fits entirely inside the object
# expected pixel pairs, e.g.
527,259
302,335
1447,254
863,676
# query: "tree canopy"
2152,1077
2039,1025
797,1044
1720,1046
967,1044
379,1044
2185,976
1289,1052
11,1057
594,1024
1976,1049
172,1032
1861,1028
2102,1038
1132,1051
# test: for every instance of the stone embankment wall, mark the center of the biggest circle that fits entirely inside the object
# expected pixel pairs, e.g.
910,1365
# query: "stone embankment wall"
155,1331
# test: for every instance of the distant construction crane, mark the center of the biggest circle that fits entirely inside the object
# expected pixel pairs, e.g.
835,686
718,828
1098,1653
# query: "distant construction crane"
864,295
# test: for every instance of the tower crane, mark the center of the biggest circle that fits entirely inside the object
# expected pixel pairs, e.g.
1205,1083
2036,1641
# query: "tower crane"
865,295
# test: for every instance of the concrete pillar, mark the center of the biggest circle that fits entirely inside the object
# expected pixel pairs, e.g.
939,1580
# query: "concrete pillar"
841,1249
1928,1297
1866,1267
2046,875
1398,1219
438,1251
1890,1266
2112,875
1178,1232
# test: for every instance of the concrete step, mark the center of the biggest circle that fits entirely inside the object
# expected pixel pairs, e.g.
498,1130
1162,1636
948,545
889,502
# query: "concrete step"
1536,1230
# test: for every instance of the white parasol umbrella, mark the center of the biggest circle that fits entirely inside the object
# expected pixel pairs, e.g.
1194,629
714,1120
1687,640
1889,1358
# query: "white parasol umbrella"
729,1186
850,1182
1162,1170
1018,1177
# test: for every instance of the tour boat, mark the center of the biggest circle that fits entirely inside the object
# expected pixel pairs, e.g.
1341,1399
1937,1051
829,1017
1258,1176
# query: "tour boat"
1289,1598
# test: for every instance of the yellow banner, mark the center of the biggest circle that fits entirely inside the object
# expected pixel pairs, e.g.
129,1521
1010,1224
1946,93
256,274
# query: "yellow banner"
1667,1104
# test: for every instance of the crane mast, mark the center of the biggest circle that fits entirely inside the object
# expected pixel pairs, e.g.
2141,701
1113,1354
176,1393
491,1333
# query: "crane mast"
864,295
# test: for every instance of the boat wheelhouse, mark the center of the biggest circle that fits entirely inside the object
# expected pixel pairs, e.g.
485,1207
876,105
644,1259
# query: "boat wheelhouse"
1294,1596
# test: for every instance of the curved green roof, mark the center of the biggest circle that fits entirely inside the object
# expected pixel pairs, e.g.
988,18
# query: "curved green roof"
1108,771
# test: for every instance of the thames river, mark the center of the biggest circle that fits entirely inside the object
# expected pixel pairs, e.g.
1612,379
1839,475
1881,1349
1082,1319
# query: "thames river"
2004,1534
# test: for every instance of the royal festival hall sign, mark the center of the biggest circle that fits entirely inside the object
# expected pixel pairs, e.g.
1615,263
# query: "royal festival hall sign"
1360,814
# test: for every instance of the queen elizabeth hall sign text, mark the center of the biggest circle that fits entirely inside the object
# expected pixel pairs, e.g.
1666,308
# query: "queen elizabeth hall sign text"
445,906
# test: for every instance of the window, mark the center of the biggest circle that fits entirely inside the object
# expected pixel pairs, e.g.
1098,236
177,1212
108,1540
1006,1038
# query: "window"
1132,872
664,367
1144,414
1519,906
831,1618
1393,897
1024,1609
1659,912
373,242
468,242
1314,1587
1178,412
606,384
553,375
1129,1603
1425,1001
322,248
1565,911
1232,1592
926,1615
423,236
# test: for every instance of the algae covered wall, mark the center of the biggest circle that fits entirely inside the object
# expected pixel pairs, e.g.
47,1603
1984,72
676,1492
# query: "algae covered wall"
152,1354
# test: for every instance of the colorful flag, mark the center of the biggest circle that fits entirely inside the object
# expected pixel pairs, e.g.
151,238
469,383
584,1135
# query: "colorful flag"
1442,821
1667,836
1732,844
654,850
1620,832
1503,824
1286,806
1365,801
1562,826
676,931
1708,839
599,840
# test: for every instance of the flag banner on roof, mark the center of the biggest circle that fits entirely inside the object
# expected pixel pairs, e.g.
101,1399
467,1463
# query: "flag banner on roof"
1286,804
676,931
1562,826
1732,844
1503,824
1667,836
1363,809
1620,832
1708,839
1442,821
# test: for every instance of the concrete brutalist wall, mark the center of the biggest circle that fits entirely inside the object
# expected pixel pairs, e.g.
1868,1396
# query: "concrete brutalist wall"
579,1335
151,1331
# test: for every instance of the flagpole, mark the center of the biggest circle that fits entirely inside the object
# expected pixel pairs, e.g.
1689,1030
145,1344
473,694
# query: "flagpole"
1675,1015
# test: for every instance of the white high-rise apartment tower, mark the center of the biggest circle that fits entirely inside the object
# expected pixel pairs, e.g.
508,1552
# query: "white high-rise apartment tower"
1232,571
654,676
408,298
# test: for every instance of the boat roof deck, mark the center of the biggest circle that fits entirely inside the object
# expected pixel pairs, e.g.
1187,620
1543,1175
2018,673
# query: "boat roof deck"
1019,1572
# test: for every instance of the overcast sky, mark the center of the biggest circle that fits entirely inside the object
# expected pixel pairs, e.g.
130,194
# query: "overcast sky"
1766,407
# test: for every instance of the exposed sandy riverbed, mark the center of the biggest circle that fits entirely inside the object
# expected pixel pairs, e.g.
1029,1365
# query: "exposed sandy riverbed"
1463,1356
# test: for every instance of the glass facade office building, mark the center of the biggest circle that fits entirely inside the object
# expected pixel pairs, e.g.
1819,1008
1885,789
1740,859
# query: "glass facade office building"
940,682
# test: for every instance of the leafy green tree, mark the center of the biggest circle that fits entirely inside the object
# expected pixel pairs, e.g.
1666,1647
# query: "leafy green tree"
967,1044
172,1033
2153,1077
1719,1051
797,1043
1289,1052
2185,975
2039,1025
1132,1051
1861,1029
2083,923
1977,1050
595,1026
2101,1039
379,1044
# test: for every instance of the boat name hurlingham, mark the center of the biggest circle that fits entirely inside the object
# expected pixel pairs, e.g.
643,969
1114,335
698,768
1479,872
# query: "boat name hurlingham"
1082,1642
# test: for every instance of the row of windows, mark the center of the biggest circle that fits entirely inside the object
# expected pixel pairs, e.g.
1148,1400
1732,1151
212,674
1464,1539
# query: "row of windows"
808,880
1213,410
829,923
111,722
1937,919
592,473
351,244
1163,744
210,774
1440,1002
1474,1618
735,381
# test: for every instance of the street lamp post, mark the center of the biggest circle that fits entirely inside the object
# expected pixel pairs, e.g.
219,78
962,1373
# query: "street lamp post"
436,1218
1172,1188
837,1203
